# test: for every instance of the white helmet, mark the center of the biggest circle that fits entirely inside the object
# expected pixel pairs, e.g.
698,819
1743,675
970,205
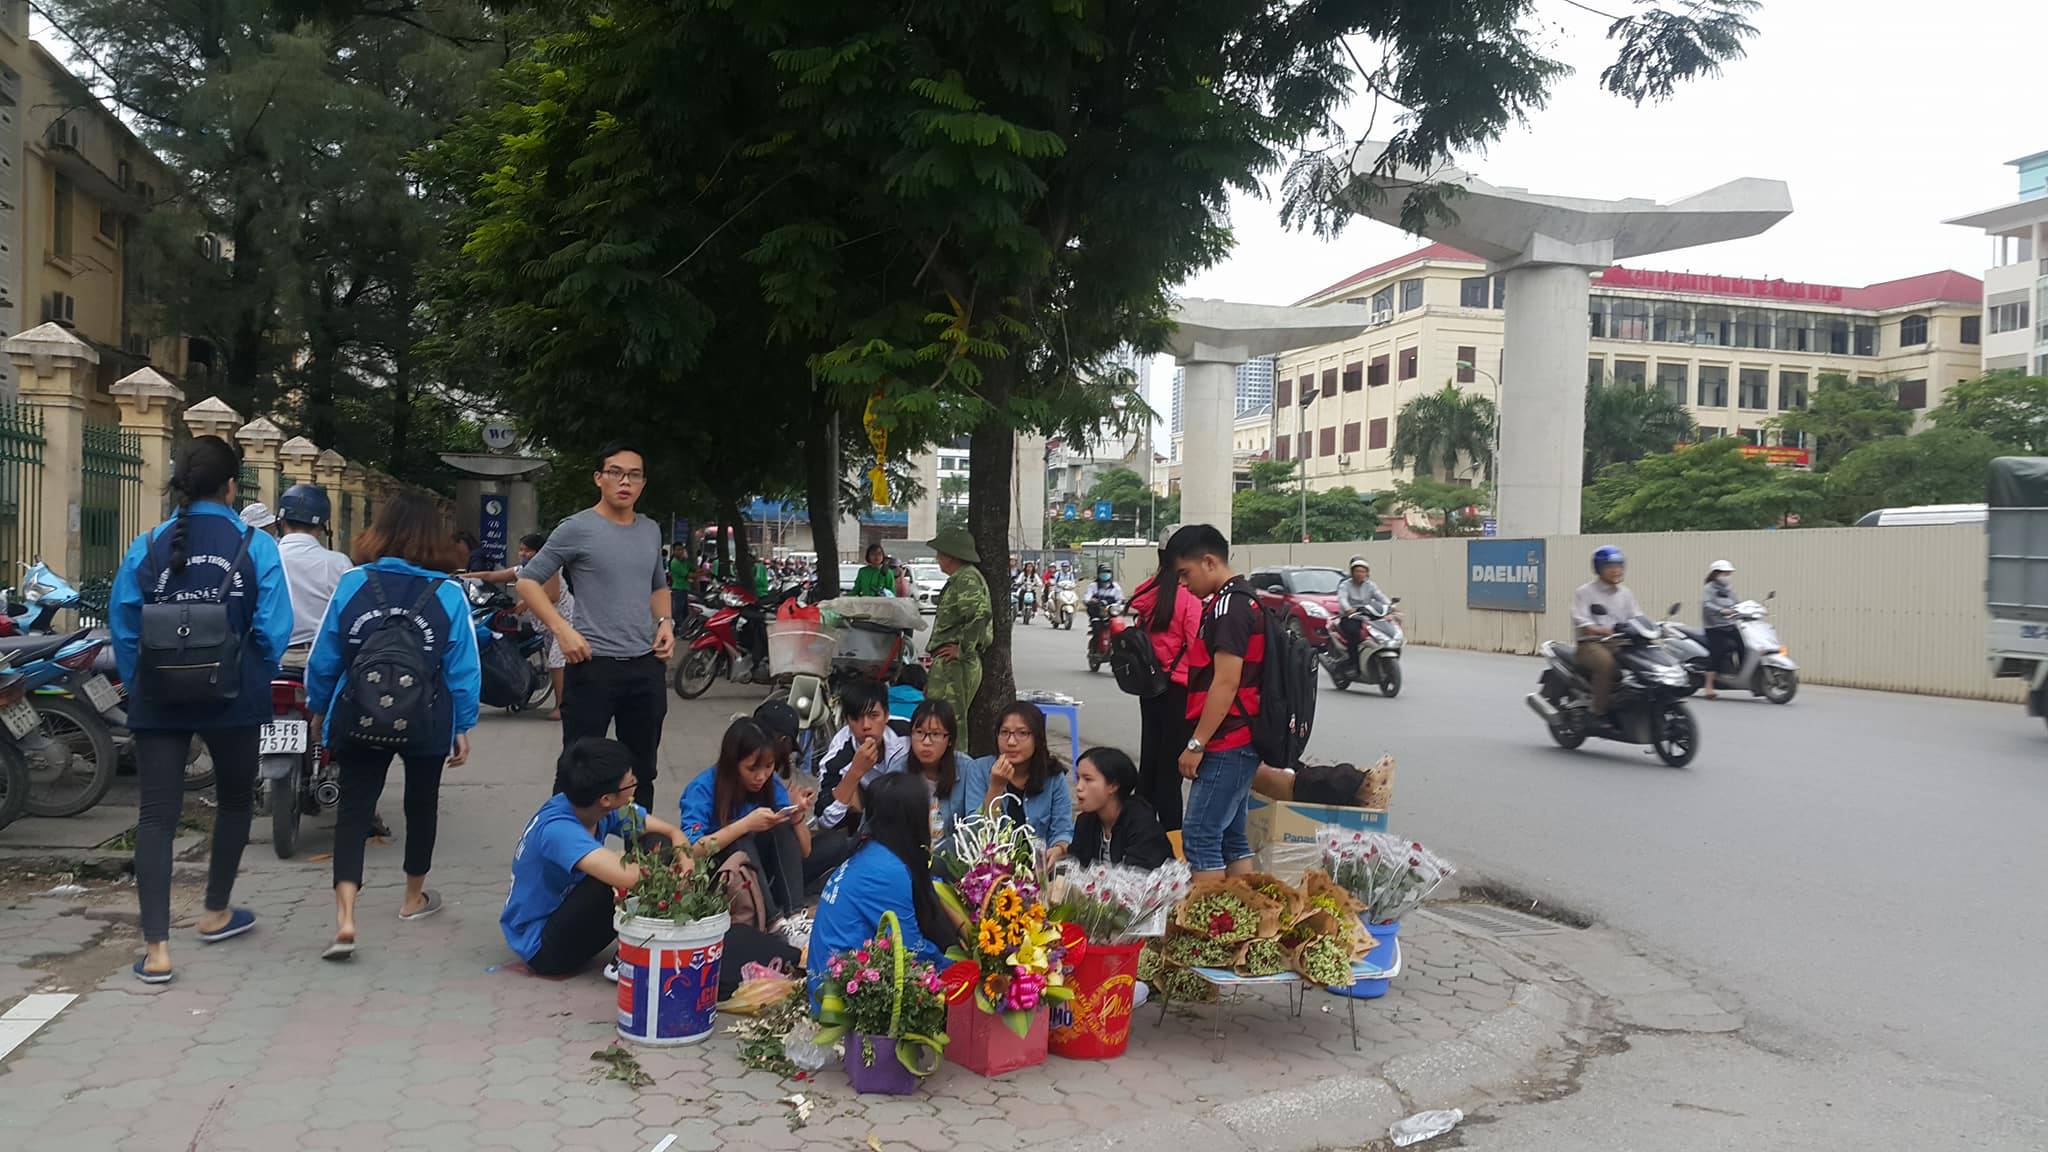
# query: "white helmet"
1359,562
1718,567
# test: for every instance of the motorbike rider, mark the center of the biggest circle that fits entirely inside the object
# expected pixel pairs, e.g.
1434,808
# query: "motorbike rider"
1354,597
1717,616
1106,588
1027,579
1608,592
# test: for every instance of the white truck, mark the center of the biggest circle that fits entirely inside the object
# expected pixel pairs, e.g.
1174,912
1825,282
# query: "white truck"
2016,581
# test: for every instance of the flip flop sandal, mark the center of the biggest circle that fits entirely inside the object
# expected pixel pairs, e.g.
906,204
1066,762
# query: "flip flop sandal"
148,977
432,906
239,921
340,950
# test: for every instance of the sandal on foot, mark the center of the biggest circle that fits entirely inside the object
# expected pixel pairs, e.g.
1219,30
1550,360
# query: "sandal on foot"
239,921
148,977
340,950
432,905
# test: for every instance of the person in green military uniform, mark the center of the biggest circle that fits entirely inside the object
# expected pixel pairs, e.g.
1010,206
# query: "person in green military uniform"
964,625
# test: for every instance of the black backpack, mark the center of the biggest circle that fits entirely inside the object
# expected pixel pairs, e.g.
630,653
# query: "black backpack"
394,686
1287,691
190,651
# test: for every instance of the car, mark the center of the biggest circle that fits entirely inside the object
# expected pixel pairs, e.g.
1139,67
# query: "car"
927,580
848,573
1306,596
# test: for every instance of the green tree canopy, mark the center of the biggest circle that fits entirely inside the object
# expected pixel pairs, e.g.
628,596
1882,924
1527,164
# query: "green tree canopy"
1626,421
1943,465
1439,431
1444,501
1698,488
1842,414
2009,407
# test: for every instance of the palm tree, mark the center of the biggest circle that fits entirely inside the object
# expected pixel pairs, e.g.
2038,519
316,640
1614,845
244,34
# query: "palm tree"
1437,428
1627,421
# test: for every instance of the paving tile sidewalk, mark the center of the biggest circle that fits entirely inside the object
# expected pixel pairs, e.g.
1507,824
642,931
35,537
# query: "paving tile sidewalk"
430,1040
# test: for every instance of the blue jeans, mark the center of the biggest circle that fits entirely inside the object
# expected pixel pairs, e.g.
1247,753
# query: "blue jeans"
1212,830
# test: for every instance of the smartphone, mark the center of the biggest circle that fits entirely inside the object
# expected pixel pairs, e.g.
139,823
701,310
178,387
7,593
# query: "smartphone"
790,812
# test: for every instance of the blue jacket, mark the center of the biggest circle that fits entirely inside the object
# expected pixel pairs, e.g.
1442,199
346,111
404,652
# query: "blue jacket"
213,534
1050,813
699,805
871,882
353,613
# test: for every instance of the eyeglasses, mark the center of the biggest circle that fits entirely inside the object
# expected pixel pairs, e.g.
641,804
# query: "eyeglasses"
1013,734
634,476
628,789
938,737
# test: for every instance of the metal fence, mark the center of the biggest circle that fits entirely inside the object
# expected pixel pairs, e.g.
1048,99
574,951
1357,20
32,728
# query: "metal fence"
248,486
346,530
21,488
110,510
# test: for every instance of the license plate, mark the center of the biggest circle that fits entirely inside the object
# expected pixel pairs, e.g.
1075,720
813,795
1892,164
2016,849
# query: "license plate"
282,738
100,693
20,718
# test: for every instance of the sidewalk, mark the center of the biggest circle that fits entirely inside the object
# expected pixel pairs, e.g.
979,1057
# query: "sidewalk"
427,1040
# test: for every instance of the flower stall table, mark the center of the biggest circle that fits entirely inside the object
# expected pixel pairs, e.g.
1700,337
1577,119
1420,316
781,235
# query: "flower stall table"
1297,988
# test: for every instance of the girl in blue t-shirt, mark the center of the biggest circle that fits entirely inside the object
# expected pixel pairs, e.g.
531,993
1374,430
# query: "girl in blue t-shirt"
890,871
740,806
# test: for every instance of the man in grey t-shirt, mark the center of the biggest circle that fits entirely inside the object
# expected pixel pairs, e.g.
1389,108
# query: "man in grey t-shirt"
611,557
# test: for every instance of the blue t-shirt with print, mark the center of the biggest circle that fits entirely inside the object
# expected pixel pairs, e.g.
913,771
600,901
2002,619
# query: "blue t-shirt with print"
544,869
699,805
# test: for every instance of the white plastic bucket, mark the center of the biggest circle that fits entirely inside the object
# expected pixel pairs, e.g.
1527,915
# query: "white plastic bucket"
668,978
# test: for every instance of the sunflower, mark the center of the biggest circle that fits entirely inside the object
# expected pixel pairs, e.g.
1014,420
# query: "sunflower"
991,938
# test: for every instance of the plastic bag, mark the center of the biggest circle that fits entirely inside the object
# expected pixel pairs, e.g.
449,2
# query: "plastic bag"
802,1048
1424,1126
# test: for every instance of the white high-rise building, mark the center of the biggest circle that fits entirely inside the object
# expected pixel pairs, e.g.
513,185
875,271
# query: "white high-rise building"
2015,321
1254,390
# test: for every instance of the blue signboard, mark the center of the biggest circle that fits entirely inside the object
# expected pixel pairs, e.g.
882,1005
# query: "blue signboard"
1069,512
490,527
1506,575
1103,510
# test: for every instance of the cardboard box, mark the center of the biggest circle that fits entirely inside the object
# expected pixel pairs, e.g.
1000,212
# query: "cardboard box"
1273,822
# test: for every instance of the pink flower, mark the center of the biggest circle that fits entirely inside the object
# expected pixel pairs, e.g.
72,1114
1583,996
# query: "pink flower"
853,985
862,956
837,967
870,975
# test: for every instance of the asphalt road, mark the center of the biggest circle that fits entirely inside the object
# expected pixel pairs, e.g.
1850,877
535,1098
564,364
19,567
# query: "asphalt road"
1866,872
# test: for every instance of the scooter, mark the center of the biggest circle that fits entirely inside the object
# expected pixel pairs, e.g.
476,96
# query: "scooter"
1765,669
1379,662
724,648
493,613
1648,698
1103,623
298,778
43,594
18,718
74,752
1027,603
1060,610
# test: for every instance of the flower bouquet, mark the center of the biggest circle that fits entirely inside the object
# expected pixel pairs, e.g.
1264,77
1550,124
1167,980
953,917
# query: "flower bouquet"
1010,958
671,924
890,1010
1115,907
1389,876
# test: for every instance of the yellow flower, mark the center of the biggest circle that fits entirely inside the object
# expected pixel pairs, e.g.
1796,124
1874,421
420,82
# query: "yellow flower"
991,938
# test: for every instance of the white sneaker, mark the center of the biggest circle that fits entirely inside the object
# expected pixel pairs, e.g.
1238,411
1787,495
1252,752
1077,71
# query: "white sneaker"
611,972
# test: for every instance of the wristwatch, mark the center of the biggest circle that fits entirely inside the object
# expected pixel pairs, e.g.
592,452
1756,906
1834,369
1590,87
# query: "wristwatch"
660,620
1194,745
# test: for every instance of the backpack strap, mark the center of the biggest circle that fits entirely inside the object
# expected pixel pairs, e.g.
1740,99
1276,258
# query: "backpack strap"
227,582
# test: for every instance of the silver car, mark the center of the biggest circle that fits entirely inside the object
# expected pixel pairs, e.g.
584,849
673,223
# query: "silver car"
927,580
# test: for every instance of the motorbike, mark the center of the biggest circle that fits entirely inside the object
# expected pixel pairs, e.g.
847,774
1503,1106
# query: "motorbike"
725,647
43,594
1027,603
517,679
74,751
1648,698
1765,668
19,719
298,777
1378,661
1103,623
1060,608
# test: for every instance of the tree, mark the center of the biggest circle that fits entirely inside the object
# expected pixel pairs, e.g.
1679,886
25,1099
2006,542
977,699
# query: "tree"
1626,421
1843,414
953,502
1438,430
2009,407
1267,474
1444,501
1699,488
1943,465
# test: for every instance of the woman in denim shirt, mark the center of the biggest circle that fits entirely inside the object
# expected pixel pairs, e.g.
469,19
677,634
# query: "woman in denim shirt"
1023,778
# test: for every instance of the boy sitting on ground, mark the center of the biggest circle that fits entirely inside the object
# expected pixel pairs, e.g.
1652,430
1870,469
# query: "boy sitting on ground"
558,915
864,747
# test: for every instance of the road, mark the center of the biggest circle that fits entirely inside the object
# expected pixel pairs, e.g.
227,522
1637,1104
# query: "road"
1865,871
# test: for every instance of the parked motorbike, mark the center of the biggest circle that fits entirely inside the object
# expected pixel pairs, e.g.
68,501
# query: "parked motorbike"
73,754
516,677
298,778
725,648
1027,603
1764,667
1648,698
1060,609
42,595
1103,623
19,719
1378,661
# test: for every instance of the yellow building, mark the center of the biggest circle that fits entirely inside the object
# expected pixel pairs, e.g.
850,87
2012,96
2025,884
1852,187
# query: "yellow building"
74,184
1735,351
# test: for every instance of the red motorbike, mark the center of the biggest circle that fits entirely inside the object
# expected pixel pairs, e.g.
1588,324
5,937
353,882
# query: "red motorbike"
1103,623
732,644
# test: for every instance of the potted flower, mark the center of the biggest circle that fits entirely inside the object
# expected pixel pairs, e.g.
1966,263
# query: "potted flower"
1116,909
1387,878
890,1010
1010,959
671,924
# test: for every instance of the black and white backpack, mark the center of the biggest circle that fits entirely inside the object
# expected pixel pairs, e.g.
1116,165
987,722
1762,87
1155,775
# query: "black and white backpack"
393,684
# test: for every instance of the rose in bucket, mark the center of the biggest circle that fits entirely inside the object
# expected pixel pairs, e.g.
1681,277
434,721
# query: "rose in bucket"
890,1010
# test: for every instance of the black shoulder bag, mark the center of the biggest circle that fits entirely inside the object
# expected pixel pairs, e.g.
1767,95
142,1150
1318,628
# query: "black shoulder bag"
190,651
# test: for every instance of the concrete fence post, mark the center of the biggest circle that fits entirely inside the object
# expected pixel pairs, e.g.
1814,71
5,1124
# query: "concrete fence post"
149,406
213,417
52,367
295,460
353,482
327,473
260,439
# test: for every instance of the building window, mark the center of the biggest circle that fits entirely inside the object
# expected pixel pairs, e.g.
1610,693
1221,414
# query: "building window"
1354,377
1411,295
1629,320
1376,374
1411,363
1636,372
1913,395
1973,327
1329,387
1376,433
1708,433
1383,300
1791,391
1714,326
1596,317
1283,393
1351,436
1467,357
110,224
1329,447
1866,340
1305,445
1912,331
1596,370
1672,380
2004,318
1713,385
60,217
1753,328
1754,437
1500,291
1283,449
1473,291
1795,332
1753,388
1791,439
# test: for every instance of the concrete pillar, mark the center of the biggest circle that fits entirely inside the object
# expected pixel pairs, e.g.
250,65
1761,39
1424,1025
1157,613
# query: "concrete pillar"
213,417
295,460
52,369
1207,411
352,477
260,439
1543,423
522,511
327,474
149,406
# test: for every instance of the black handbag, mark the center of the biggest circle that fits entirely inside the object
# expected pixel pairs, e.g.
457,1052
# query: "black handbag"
190,651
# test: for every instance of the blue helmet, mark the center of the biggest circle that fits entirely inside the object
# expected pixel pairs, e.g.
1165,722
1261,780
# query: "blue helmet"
1602,557
305,504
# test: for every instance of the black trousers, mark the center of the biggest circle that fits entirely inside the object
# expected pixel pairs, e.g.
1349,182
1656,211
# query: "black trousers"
576,931
779,861
1162,736
363,772
160,767
630,696
1724,650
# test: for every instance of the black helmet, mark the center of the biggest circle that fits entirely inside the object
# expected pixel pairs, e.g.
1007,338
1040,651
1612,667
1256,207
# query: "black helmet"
305,504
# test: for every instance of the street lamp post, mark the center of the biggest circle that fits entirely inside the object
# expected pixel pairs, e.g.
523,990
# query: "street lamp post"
1309,392
1493,503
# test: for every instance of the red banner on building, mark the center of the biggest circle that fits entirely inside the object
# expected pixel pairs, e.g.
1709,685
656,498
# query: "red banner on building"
1775,454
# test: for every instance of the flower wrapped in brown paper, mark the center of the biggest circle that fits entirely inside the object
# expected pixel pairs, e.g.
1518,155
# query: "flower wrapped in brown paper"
1229,911
1322,894
1293,903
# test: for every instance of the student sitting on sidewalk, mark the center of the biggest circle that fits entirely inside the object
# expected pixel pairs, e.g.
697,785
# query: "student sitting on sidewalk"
865,747
737,812
558,915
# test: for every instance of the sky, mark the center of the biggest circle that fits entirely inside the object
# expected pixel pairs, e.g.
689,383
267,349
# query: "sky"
1884,117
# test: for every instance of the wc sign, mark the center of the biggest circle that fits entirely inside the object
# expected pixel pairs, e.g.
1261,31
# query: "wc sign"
1505,575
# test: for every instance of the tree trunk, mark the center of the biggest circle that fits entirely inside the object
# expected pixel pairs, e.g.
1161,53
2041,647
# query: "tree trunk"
991,457
821,483
246,361
742,551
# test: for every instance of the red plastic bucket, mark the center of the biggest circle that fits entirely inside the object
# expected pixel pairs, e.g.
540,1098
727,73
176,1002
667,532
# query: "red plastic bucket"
1096,1023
